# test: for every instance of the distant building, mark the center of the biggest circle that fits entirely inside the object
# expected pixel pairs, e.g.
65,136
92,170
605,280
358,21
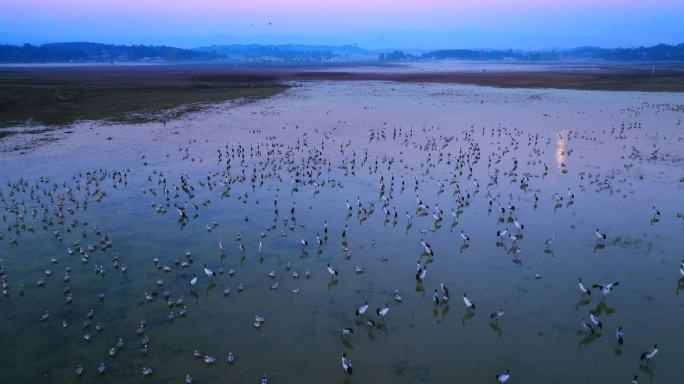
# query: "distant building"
395,55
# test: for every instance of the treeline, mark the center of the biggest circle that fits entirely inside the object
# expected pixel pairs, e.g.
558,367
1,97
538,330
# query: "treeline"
258,52
660,52
94,52
289,52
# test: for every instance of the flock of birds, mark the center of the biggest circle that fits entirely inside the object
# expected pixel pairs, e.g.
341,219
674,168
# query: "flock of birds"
450,164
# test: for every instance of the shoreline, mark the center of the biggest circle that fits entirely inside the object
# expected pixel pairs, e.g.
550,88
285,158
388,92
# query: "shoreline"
528,80
63,95
563,75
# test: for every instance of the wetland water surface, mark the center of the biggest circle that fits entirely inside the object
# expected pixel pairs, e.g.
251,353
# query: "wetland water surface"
155,200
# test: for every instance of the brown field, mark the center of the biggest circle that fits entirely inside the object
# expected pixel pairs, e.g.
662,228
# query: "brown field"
61,96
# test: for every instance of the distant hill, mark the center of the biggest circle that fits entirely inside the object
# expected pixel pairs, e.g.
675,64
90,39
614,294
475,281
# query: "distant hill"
661,52
290,52
94,52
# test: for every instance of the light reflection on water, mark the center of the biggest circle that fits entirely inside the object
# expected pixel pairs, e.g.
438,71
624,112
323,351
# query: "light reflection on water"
539,338
561,155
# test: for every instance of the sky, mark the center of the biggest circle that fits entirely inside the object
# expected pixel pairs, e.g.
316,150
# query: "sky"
374,24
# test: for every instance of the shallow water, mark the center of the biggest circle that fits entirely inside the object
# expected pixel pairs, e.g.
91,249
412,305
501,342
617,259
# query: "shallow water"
601,145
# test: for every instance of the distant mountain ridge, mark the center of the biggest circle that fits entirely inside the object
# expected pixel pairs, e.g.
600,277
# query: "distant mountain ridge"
80,52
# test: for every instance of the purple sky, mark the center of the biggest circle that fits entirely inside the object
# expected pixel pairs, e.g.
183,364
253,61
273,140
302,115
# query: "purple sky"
425,24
